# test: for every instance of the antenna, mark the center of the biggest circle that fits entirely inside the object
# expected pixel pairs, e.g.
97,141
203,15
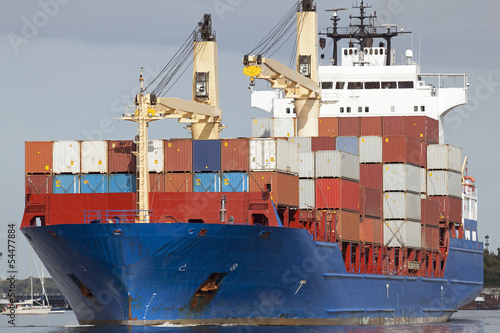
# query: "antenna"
141,80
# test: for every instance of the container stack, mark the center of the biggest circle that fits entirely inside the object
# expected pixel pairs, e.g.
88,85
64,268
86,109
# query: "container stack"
121,166
94,157
66,167
283,127
307,195
178,165
234,165
38,167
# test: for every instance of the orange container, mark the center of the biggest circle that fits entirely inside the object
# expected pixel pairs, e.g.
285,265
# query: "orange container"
178,155
157,182
38,157
328,126
430,238
349,126
370,202
335,193
401,149
178,182
394,126
284,187
430,212
450,209
371,230
234,154
348,226
38,184
370,175
120,157
371,126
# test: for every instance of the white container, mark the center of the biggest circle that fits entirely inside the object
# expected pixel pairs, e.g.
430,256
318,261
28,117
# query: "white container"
423,181
66,157
445,183
402,206
306,164
94,156
274,155
262,127
304,143
401,177
370,149
402,233
444,157
156,157
337,164
307,193
284,127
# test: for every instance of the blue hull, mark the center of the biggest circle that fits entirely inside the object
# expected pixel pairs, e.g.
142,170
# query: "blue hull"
147,274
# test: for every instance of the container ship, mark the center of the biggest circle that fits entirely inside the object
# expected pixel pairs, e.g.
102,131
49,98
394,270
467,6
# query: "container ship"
345,207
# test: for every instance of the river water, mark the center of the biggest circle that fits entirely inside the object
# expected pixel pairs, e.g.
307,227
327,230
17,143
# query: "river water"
462,321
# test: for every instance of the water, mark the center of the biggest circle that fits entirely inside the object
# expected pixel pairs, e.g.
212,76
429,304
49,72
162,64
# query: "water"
462,322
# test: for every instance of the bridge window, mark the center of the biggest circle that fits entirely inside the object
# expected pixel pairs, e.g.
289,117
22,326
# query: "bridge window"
372,85
389,85
415,108
405,84
360,109
341,109
348,109
340,85
422,108
326,85
367,109
355,85
288,110
376,51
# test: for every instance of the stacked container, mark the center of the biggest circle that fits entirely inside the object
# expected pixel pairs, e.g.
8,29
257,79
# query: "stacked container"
121,166
273,127
66,167
94,159
178,165
38,167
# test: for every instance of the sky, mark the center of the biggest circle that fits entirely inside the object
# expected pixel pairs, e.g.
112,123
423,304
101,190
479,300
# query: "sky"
68,68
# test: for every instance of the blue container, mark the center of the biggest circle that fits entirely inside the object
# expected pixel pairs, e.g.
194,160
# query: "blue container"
94,183
234,182
206,156
348,144
206,182
470,225
121,183
66,184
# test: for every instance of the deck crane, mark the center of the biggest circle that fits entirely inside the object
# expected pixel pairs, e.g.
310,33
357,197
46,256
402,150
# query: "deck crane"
300,84
202,114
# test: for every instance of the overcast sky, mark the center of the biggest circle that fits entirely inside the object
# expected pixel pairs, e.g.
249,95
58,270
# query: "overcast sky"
69,67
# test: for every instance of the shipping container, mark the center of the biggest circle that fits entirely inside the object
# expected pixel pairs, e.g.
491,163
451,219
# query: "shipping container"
38,157
349,144
444,183
394,126
450,209
262,127
402,233
283,188
371,126
444,157
234,154
371,175
402,206
94,157
371,230
206,182
401,178
348,225
304,143
430,212
66,157
121,158
64,184
370,202
323,143
422,128
400,149
156,182
307,194
328,126
336,164
121,183
179,182
423,154
178,155
235,182
423,180
38,184
370,149
93,183
274,155
430,238
306,164
334,193
206,156
349,126
156,156
284,127
432,131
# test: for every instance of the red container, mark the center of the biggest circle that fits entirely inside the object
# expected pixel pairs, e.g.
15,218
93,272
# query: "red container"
416,127
394,126
430,238
328,126
284,187
423,154
348,226
38,184
335,193
370,202
157,182
38,157
371,126
178,182
401,149
120,157
178,155
234,154
349,126
432,130
371,230
370,175
450,209
323,143
430,212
